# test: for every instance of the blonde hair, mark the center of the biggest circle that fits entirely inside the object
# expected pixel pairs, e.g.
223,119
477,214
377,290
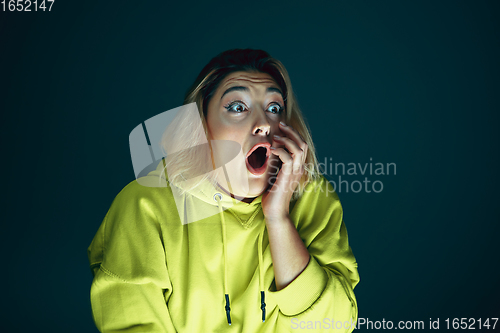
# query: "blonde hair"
203,89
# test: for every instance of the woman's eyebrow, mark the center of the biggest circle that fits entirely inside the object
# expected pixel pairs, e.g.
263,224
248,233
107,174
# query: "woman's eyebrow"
235,88
273,89
242,88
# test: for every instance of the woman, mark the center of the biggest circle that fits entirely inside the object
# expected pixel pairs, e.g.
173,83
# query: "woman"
257,244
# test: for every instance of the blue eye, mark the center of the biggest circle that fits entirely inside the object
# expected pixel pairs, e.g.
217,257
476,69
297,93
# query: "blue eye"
237,107
275,108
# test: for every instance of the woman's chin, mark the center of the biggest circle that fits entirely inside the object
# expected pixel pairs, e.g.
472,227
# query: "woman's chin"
256,186
247,184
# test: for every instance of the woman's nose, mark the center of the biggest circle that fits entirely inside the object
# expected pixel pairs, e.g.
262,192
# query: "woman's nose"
262,126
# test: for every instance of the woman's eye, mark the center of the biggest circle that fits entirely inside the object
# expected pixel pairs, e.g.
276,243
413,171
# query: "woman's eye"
236,107
275,108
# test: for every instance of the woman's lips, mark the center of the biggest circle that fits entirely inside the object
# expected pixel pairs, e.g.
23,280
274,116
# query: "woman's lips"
258,171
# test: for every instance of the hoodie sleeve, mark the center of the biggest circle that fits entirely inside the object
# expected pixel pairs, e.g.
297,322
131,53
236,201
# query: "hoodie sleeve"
324,290
131,285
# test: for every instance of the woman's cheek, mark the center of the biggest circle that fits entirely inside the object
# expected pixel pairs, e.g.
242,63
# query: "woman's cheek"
276,130
231,132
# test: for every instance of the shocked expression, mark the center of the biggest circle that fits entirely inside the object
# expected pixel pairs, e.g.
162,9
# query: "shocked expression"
246,108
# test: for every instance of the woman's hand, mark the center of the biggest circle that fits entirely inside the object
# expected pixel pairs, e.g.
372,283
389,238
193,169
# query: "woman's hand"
276,202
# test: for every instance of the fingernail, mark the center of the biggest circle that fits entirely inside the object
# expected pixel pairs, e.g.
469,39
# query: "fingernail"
273,148
277,137
282,124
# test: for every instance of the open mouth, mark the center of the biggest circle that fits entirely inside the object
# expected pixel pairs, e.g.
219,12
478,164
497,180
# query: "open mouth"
257,158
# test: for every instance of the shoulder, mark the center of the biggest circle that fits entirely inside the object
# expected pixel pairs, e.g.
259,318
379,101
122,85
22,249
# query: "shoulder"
139,201
144,189
318,204
319,191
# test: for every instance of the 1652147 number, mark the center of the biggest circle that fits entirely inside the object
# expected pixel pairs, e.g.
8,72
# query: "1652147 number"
26,5
471,323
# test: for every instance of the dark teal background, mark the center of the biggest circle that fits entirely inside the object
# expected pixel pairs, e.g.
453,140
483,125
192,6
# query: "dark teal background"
412,83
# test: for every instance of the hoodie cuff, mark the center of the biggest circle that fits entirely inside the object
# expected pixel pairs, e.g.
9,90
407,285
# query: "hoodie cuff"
303,291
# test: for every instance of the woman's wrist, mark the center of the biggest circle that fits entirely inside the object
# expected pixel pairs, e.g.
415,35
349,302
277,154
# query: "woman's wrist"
277,219
288,252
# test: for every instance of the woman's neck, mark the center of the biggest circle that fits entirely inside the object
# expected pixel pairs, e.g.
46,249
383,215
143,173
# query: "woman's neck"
242,199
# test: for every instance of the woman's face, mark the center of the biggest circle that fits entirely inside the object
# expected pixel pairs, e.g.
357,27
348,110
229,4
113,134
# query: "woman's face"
247,108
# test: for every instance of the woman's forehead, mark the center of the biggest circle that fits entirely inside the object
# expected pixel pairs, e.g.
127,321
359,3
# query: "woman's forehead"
249,79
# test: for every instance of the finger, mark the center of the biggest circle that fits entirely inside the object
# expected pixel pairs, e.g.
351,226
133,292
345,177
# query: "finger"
295,150
289,144
295,136
285,181
286,159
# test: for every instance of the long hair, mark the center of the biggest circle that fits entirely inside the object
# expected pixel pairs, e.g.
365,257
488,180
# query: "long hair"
208,81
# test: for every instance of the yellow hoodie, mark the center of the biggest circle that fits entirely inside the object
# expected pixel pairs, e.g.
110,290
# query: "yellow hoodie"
153,273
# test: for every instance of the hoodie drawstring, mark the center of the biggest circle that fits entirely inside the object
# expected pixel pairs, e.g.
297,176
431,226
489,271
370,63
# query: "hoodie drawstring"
261,272
218,198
